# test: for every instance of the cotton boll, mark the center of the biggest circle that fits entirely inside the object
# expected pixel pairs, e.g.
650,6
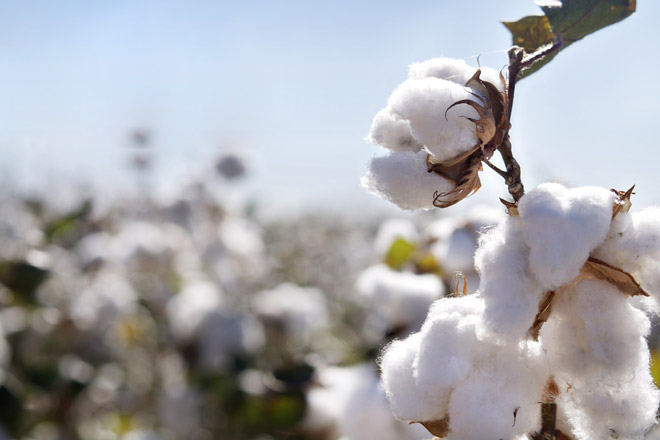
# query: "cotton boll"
633,245
408,400
561,227
483,405
594,332
620,408
401,298
424,102
450,69
403,179
392,133
510,292
449,344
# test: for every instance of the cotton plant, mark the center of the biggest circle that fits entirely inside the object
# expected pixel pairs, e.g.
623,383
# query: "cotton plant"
552,345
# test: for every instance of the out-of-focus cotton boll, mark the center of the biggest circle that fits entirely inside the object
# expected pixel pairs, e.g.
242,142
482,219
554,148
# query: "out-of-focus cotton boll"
400,298
242,238
391,230
300,310
408,400
450,69
95,248
392,133
350,403
105,299
510,291
367,415
562,227
198,315
456,238
188,308
424,102
403,179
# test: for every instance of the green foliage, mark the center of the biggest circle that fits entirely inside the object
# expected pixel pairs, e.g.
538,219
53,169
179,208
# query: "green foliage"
564,23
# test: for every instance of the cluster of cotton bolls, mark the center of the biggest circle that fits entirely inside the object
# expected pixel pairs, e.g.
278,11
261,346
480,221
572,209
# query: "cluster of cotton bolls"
419,128
558,318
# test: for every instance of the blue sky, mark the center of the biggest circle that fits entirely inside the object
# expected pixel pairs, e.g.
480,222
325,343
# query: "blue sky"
295,85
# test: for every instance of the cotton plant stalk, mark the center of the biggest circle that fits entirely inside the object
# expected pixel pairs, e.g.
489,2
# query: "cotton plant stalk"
552,345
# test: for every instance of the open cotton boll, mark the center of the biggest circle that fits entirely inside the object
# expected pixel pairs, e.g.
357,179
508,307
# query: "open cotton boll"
408,400
616,409
454,70
424,102
633,245
401,298
594,332
510,292
392,133
561,227
403,179
449,345
483,405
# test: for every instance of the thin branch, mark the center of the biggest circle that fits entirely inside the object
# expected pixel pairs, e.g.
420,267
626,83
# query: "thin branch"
495,168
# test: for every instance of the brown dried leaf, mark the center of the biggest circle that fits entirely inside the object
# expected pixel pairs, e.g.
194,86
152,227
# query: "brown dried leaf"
439,428
596,269
545,308
467,184
622,203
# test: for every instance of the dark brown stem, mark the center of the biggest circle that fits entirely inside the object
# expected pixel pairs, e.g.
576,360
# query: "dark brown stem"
518,62
513,182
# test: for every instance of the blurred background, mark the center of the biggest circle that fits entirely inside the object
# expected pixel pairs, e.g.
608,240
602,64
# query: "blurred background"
185,249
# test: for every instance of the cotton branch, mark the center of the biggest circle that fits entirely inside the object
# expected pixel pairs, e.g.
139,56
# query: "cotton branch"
518,62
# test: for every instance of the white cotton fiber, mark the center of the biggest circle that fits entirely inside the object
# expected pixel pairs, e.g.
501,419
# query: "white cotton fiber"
594,332
403,179
424,102
392,133
510,292
449,343
450,69
561,227
633,245
407,400
498,400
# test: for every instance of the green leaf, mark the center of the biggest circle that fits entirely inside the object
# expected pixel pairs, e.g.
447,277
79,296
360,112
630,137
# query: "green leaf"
531,32
573,20
399,253
565,21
